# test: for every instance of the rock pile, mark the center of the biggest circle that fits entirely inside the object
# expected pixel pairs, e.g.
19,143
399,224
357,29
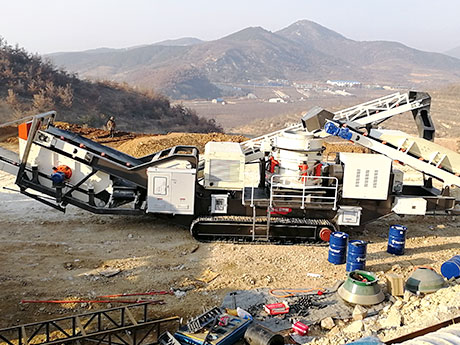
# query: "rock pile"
402,315
150,144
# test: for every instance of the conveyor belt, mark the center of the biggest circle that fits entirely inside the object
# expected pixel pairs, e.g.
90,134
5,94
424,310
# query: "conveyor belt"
9,161
95,147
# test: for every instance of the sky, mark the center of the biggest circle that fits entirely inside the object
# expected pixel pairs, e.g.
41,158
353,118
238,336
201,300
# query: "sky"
46,26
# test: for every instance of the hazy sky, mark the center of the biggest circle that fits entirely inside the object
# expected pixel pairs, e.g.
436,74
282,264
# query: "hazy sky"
46,26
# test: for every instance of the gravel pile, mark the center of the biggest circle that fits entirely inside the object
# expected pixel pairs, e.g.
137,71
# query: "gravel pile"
402,315
146,145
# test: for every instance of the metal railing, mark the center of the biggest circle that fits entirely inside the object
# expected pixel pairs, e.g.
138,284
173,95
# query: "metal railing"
303,190
128,325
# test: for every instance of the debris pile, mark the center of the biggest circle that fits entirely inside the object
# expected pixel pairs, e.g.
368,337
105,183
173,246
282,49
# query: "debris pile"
403,315
146,145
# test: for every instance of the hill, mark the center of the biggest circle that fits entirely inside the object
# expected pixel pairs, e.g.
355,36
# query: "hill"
29,85
303,51
455,52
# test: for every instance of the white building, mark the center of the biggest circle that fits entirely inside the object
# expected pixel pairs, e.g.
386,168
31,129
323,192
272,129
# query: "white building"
276,100
344,83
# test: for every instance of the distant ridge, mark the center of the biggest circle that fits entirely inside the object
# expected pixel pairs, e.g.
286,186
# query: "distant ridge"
181,42
304,51
455,52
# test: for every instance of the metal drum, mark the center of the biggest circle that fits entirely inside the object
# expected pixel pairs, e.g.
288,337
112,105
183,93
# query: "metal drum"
337,248
356,257
397,239
451,268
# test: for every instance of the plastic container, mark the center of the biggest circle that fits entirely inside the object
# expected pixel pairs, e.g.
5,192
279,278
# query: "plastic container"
396,239
300,328
259,335
451,268
337,248
356,257
243,313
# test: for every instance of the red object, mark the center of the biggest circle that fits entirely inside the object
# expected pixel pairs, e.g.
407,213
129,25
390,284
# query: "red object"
277,308
300,328
303,169
273,164
325,234
223,321
150,293
320,292
318,170
281,210
65,170
23,130
93,301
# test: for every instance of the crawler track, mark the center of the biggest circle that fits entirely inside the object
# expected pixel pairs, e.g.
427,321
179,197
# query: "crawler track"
240,229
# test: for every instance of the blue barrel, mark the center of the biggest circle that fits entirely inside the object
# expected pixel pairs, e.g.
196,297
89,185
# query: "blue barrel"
451,268
396,239
337,248
356,257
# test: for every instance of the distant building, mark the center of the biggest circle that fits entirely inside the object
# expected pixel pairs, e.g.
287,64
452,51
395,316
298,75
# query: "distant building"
251,96
276,100
344,83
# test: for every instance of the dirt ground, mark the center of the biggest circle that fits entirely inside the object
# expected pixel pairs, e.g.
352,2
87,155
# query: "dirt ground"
47,255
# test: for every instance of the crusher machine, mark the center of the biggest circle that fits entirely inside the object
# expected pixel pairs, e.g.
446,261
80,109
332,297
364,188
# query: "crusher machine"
279,186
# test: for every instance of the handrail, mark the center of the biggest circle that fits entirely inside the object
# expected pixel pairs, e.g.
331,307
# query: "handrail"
301,193
28,118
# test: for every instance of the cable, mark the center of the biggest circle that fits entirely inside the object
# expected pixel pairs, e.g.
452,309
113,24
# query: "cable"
93,301
294,292
139,294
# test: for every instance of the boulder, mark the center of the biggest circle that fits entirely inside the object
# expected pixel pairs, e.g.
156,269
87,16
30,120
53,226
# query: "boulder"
359,313
354,327
327,323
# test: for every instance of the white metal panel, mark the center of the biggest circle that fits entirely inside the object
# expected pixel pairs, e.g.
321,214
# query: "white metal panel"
409,205
349,215
45,160
448,178
365,176
436,154
171,191
251,175
158,191
183,191
224,166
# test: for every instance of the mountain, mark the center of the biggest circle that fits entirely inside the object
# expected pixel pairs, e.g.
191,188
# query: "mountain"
455,52
302,51
181,42
251,54
29,85
385,61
